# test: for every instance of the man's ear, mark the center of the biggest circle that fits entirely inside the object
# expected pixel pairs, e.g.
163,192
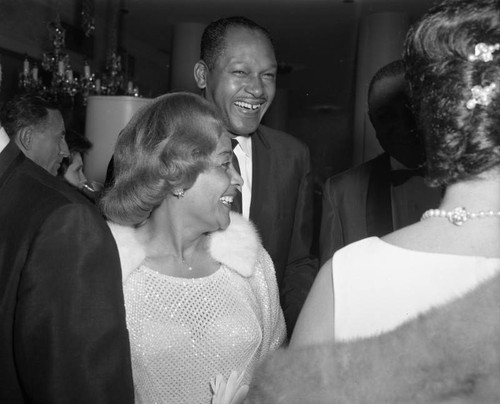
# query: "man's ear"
25,138
200,74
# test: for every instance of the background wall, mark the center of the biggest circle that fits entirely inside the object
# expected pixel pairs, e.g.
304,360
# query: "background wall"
318,42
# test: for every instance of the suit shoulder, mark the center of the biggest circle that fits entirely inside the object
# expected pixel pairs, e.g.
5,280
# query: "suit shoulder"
30,183
281,139
363,169
348,175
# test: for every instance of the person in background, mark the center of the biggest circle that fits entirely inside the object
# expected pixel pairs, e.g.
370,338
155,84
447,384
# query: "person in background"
72,167
63,336
388,192
200,291
237,73
37,127
452,60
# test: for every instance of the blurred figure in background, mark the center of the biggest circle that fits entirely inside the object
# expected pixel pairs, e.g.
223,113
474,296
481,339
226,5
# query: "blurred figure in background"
72,167
388,192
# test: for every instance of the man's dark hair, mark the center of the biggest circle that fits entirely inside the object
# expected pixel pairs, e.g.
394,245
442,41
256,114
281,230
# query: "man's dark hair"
393,69
24,110
77,143
214,35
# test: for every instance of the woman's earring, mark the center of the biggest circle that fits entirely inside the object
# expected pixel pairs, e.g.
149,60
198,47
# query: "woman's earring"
179,193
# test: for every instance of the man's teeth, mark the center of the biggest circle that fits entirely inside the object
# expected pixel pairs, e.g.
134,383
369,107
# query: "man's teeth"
246,105
227,200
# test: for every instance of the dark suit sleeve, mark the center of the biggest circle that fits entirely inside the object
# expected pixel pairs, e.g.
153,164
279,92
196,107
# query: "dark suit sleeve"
331,236
71,342
301,268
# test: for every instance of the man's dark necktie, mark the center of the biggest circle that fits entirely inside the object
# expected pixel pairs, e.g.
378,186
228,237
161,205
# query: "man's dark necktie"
236,205
399,177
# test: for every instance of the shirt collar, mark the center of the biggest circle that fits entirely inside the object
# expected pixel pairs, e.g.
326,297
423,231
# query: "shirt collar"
245,143
4,139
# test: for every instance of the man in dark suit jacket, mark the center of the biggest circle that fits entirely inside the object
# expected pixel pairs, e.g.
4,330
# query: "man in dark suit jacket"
63,337
387,192
237,72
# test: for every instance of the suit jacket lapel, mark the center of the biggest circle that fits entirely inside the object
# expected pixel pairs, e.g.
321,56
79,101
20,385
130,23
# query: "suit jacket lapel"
261,171
378,199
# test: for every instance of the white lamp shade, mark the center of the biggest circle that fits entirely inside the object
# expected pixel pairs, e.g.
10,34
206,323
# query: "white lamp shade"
106,117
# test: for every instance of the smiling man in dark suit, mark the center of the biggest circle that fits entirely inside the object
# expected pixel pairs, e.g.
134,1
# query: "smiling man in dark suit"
63,337
237,72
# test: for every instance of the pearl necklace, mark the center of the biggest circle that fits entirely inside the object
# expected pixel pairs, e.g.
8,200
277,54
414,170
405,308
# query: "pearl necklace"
459,215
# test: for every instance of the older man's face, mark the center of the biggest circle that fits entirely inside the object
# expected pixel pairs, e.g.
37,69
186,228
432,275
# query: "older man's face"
48,146
243,82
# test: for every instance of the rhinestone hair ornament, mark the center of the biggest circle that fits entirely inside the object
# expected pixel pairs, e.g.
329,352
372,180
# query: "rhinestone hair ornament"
484,52
481,95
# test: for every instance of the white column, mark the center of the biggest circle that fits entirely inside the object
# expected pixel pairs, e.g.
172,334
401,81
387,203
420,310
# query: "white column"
106,117
381,39
185,53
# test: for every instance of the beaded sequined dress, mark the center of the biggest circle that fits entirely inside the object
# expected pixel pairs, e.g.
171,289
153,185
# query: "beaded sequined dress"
183,332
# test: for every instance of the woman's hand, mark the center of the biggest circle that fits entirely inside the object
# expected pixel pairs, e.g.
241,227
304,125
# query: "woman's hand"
231,392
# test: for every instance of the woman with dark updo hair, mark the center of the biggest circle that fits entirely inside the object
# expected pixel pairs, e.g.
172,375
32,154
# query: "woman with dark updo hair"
452,59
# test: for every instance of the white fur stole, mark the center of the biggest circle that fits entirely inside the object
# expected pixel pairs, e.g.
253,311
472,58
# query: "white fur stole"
236,247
